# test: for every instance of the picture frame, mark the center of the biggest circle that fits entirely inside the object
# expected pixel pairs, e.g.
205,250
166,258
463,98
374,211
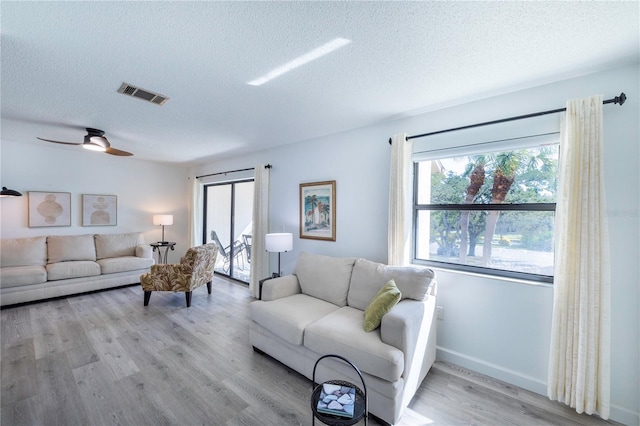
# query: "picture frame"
99,210
318,210
49,209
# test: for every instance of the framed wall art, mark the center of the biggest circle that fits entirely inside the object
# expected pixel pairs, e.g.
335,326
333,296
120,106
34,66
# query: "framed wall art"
99,210
49,209
318,210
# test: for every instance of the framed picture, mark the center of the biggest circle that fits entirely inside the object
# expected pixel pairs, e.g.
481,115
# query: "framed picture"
99,210
318,210
49,209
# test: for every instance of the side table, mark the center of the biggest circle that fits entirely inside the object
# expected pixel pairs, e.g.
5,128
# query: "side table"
361,405
163,248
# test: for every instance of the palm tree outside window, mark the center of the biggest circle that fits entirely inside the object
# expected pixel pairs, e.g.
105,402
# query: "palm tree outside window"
489,213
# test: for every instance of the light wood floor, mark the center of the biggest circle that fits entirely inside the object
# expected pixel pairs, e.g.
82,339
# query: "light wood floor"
104,359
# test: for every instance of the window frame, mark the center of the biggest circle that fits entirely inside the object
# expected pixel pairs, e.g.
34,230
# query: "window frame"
472,207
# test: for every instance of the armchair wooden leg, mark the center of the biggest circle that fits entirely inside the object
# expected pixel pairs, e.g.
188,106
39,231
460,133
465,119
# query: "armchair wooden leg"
209,287
188,295
147,296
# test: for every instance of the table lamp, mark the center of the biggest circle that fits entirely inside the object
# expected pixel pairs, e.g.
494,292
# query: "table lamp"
9,192
163,219
278,243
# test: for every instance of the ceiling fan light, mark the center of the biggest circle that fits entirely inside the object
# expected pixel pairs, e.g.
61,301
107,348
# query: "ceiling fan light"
93,147
96,143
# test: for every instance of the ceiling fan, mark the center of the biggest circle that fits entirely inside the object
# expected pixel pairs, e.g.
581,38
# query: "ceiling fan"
95,141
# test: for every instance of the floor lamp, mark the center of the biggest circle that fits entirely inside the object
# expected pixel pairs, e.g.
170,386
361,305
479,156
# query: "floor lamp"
278,243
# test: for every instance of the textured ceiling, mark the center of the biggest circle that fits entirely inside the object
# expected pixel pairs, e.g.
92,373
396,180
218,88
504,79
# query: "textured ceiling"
62,63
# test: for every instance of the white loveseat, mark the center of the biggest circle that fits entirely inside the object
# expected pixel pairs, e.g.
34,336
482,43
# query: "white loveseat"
50,266
319,310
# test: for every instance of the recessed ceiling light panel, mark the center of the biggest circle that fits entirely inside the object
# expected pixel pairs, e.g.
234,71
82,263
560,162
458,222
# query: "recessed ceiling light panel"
316,53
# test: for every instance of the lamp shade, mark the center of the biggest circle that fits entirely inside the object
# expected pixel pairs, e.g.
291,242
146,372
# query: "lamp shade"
278,242
9,192
163,219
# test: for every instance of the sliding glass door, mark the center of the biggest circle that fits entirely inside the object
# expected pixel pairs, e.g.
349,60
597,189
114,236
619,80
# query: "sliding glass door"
228,210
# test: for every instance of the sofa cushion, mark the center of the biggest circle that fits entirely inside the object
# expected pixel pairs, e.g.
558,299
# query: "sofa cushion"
368,277
325,277
289,316
123,264
23,252
382,303
64,248
72,269
22,275
341,333
117,245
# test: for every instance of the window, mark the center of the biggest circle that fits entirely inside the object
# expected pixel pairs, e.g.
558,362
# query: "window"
489,212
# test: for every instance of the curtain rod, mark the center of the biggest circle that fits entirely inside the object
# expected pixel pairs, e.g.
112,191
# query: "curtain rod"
617,100
268,166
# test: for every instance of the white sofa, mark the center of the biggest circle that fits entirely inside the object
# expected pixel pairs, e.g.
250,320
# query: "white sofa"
319,310
50,266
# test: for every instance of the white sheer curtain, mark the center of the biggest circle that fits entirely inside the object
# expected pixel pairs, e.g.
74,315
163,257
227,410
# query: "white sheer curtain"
579,370
259,257
195,224
400,190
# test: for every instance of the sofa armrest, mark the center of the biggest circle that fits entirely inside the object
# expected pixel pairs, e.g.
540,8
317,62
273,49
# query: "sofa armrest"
280,287
411,327
144,250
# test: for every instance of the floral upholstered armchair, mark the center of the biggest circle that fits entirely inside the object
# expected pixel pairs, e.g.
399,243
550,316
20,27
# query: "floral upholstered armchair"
194,270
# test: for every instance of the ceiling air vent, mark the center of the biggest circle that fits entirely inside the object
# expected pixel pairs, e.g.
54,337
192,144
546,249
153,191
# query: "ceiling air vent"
136,92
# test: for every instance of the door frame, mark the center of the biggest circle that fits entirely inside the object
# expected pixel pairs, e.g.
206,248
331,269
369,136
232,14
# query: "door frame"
232,221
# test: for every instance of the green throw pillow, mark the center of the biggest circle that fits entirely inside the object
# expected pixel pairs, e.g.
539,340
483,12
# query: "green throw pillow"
382,303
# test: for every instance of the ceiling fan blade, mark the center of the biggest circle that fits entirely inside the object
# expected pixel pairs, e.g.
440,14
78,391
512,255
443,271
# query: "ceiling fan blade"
96,141
114,151
64,143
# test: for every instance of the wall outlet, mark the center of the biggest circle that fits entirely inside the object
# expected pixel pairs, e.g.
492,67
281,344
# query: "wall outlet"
440,312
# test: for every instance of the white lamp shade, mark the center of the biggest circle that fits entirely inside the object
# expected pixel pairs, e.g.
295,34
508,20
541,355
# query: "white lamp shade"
163,219
278,242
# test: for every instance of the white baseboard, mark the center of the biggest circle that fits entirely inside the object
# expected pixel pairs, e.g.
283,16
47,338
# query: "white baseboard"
524,381
624,416
510,376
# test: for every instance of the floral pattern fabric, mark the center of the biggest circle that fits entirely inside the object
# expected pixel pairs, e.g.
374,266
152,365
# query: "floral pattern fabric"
194,270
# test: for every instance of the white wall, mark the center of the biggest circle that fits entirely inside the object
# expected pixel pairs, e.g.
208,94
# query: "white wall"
495,326
142,189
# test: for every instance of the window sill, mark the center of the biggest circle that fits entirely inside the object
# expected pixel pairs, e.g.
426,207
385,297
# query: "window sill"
488,276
